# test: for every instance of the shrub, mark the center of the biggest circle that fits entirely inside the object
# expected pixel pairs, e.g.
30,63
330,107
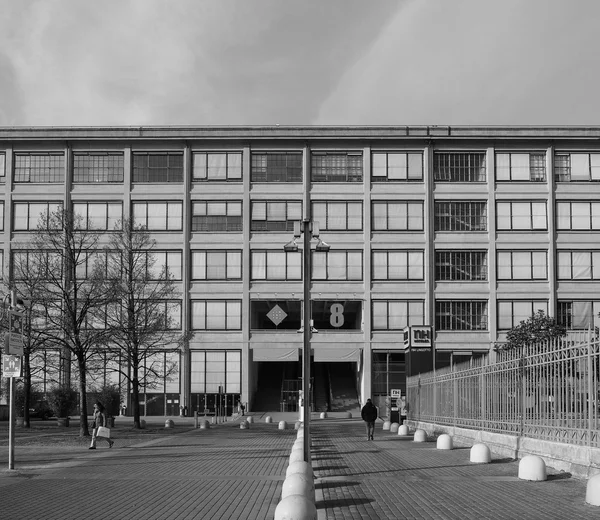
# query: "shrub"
63,401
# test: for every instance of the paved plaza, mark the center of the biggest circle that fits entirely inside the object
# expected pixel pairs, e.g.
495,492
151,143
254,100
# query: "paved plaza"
225,472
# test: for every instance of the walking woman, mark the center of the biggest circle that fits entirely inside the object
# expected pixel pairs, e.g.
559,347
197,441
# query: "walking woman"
99,420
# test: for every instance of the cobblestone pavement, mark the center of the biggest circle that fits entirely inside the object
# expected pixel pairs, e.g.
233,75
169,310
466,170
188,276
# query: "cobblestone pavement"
228,473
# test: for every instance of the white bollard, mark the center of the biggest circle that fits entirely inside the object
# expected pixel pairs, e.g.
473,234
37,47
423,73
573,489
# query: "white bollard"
282,425
268,419
420,436
299,467
297,425
323,415
296,456
394,427
250,419
298,484
403,429
348,415
244,425
480,454
532,467
204,425
444,442
296,507
169,423
592,491
386,425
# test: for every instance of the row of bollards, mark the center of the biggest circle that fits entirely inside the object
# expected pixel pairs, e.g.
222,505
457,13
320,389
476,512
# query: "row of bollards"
531,467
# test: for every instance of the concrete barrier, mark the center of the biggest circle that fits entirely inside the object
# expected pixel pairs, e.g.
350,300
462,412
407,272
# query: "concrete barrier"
169,423
323,415
296,507
268,419
250,419
420,436
532,467
444,442
298,484
244,425
299,467
282,425
386,425
592,491
296,456
204,425
297,425
480,454
394,427
403,429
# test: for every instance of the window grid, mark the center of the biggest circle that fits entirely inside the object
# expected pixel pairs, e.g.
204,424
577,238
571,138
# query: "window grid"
275,216
396,314
215,216
276,265
217,166
158,216
578,265
577,167
521,167
92,167
336,265
159,262
396,166
336,167
579,314
276,167
464,216
512,312
398,265
216,314
577,216
158,167
397,215
2,166
39,167
213,368
216,264
461,265
26,215
457,315
521,216
522,265
338,216
27,263
98,216
459,167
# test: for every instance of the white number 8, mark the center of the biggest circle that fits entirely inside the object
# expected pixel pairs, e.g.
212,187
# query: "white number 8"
337,315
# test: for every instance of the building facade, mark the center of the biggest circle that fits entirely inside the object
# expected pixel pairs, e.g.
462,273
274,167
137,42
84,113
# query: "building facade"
468,230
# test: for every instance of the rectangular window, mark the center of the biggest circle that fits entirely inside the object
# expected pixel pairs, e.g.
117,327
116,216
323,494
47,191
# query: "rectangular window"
578,216
461,315
158,167
158,216
338,216
98,216
169,312
525,167
27,215
578,314
39,167
513,312
397,265
99,260
461,265
276,265
159,263
463,216
1,216
522,265
2,166
578,265
574,167
336,167
212,369
396,166
335,315
215,216
92,167
277,167
521,216
217,264
276,315
275,216
397,216
35,264
336,265
459,167
217,166
397,314
216,314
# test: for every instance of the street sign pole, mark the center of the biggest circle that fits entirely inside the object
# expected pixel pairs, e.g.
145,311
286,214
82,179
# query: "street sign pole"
11,426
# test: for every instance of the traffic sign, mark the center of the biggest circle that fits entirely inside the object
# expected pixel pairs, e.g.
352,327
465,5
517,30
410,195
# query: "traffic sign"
11,365
15,334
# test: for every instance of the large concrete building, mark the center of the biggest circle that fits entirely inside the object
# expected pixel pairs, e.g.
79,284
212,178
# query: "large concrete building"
465,229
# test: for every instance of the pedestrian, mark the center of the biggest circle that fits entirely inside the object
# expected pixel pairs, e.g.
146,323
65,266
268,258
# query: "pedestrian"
99,420
241,407
369,415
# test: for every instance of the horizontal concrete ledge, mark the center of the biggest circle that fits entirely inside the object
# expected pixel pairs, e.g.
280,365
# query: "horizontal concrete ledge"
580,461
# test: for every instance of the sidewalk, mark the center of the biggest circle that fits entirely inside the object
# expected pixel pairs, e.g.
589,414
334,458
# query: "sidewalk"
228,473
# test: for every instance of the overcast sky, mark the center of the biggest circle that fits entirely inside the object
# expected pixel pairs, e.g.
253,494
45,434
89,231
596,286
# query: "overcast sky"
302,62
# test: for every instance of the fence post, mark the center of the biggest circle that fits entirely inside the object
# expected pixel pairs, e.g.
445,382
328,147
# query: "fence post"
590,387
454,396
522,390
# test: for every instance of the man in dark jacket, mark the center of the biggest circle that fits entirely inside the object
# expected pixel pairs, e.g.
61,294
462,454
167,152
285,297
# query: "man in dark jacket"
369,415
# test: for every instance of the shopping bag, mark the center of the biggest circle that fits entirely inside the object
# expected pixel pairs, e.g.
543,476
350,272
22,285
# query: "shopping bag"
103,432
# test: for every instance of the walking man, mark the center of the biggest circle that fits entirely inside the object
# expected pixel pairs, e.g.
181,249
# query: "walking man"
369,415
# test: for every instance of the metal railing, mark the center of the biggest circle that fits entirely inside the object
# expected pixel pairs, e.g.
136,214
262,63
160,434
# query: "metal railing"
544,391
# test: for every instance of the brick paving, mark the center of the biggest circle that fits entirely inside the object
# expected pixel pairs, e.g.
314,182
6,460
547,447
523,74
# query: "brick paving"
228,473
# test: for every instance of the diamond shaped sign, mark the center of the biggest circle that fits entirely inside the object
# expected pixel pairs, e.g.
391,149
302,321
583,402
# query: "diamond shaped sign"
276,315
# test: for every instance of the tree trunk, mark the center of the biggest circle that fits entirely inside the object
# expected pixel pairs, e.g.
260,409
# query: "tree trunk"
135,396
83,423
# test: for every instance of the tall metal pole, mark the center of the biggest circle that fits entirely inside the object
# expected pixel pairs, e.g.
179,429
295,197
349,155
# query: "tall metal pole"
306,343
11,426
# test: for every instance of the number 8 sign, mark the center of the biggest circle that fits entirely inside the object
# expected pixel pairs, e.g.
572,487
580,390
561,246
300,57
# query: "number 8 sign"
337,315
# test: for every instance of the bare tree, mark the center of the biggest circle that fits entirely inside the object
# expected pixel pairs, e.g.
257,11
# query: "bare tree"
145,319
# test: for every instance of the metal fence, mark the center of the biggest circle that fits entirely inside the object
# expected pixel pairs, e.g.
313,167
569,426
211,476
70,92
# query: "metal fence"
545,391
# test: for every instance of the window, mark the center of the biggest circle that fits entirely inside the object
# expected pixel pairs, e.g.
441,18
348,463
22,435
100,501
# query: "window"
158,167
459,167
217,265
456,315
336,167
463,216
396,166
397,216
276,265
275,216
2,166
276,315
521,216
578,265
169,310
216,314
277,167
522,265
35,264
98,167
397,314
39,167
336,265
521,167
1,216
336,315
213,216
215,370
90,261
398,265
158,263
96,216
158,216
573,167
26,215
578,216
217,166
576,314
338,216
513,312
461,265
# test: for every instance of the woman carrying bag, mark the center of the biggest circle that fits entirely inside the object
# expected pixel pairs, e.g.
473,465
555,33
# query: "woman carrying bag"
99,425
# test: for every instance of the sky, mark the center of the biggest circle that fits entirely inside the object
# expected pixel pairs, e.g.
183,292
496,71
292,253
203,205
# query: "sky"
302,62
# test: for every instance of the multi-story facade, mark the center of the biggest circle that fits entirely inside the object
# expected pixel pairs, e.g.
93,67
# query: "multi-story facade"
469,230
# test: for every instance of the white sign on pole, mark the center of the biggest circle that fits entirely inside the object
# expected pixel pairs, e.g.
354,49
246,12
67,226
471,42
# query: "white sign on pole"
11,366
15,334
